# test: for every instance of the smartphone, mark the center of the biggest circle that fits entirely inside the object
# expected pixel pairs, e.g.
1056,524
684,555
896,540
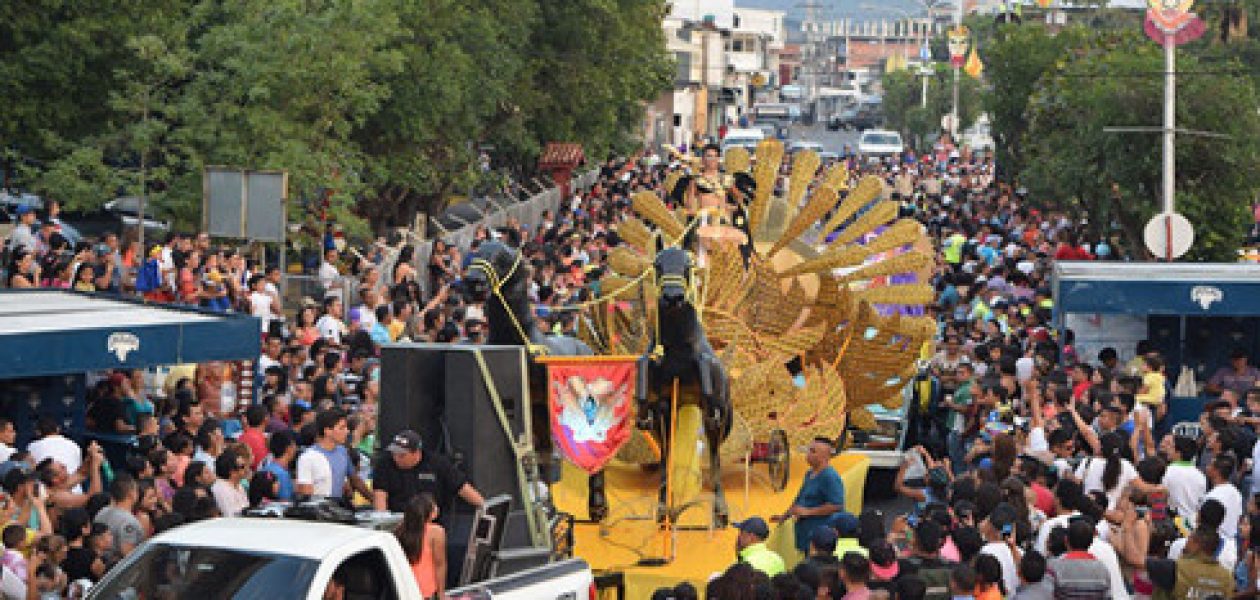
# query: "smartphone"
1007,530
1141,512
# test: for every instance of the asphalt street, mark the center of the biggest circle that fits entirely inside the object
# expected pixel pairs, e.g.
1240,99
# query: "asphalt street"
832,141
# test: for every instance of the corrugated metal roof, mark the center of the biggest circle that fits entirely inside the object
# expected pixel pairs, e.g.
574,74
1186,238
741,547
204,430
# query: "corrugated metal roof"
1170,272
54,332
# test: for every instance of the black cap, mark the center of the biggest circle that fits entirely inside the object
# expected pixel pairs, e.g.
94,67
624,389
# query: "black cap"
405,441
754,525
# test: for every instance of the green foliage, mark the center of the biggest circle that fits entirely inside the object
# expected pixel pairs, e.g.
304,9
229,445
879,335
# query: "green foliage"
386,103
1115,178
903,101
1015,59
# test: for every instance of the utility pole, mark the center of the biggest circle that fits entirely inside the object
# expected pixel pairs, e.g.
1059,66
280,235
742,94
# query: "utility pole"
813,64
1170,121
1169,235
953,113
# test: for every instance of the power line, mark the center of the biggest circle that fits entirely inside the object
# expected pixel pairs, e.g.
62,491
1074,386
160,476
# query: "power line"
1142,74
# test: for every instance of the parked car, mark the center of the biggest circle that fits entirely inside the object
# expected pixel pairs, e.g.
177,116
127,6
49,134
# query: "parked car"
799,145
876,144
858,117
113,216
772,130
979,137
746,138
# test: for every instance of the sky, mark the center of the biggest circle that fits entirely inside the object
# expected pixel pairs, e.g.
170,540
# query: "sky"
836,8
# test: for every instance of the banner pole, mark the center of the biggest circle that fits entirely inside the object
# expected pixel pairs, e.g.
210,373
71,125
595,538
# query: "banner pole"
669,480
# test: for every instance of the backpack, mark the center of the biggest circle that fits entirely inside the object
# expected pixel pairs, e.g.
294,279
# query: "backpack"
934,573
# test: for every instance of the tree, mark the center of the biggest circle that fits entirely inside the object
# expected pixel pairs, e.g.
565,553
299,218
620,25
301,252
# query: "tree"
1115,178
596,63
463,66
903,101
284,84
1016,58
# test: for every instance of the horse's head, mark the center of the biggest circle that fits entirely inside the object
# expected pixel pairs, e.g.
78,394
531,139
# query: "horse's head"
673,276
493,268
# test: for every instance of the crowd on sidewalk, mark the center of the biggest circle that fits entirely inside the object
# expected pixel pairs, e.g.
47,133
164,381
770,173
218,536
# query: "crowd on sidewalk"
1040,473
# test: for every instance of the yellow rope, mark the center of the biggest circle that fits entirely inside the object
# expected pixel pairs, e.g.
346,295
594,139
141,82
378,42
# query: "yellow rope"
496,286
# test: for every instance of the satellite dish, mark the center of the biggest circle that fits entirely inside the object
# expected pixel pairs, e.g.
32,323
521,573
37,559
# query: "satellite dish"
1168,235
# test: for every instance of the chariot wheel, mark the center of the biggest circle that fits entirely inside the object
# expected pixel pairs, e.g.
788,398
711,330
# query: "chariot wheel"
778,459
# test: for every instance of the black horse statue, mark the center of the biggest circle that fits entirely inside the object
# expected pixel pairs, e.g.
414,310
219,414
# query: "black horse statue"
684,354
499,276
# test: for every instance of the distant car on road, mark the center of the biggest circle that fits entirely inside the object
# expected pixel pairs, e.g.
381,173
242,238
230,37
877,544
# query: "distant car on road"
746,138
880,143
772,131
979,137
858,117
799,145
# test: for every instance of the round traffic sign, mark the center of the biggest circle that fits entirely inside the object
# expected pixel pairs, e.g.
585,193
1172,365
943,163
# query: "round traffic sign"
1168,235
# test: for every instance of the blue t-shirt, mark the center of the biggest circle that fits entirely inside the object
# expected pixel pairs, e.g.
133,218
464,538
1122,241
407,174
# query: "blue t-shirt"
339,464
824,488
282,477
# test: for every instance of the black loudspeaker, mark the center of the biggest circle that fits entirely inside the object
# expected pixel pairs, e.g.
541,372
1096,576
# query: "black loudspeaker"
438,390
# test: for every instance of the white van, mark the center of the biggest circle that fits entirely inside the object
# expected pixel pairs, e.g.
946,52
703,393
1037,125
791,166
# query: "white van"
747,138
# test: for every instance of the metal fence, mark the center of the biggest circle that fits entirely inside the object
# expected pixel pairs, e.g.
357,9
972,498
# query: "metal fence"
297,287
528,212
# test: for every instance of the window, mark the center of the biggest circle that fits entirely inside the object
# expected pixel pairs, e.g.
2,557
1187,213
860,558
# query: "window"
367,576
683,60
737,46
168,571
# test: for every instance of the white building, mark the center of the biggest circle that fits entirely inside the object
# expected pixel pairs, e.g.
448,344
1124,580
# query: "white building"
721,12
752,56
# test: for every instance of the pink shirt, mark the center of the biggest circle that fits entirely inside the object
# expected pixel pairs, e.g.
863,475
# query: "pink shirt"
949,552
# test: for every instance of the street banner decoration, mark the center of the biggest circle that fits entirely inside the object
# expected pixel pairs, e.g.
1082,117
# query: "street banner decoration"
974,67
1172,19
590,401
959,39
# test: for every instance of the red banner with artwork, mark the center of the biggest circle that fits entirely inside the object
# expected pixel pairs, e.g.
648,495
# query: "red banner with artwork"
590,400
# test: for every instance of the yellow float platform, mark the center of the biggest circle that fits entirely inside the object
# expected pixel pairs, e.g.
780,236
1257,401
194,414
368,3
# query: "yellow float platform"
630,532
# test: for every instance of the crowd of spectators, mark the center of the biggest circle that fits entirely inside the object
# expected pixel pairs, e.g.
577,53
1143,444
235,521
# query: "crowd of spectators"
1036,472
1039,472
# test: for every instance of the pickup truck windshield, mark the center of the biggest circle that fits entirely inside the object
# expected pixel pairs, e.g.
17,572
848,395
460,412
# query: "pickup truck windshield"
166,571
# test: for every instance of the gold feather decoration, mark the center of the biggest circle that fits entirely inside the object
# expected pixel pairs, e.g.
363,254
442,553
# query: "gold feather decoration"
627,262
918,293
902,263
635,234
820,202
868,189
671,180
836,178
832,259
766,174
650,206
804,166
901,233
736,160
879,214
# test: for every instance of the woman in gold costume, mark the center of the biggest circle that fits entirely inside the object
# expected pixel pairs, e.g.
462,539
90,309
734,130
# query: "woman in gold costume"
709,199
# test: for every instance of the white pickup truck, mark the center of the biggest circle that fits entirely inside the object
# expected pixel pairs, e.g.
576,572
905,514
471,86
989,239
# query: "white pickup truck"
281,559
